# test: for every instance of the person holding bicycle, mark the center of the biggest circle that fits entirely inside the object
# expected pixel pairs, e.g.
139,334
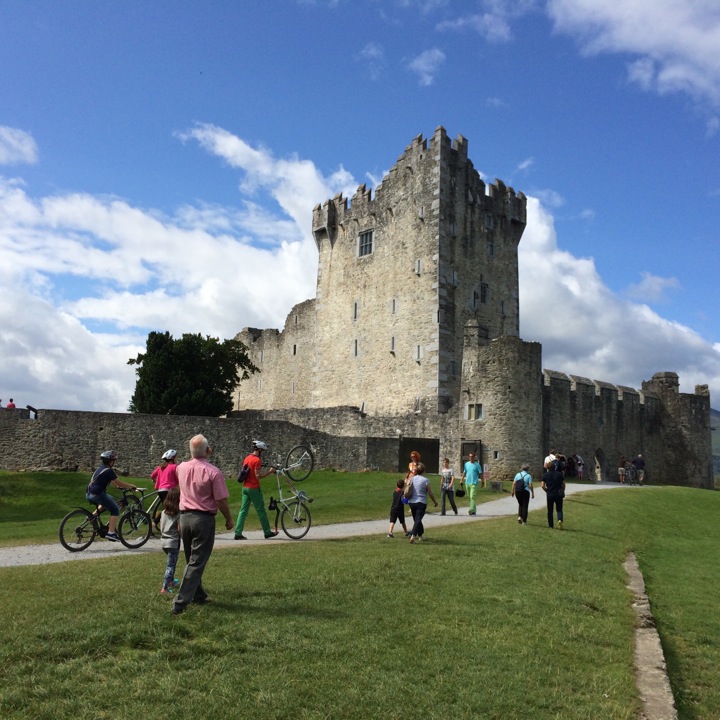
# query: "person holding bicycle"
96,491
251,492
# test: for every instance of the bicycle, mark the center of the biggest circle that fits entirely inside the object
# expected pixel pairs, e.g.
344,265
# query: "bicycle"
81,526
155,509
295,519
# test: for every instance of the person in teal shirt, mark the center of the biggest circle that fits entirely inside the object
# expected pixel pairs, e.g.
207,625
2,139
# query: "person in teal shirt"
471,477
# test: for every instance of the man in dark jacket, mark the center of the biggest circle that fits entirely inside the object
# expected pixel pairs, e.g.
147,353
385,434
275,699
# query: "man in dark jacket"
553,483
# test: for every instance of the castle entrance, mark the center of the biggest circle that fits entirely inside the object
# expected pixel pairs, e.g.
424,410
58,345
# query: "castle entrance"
429,449
599,462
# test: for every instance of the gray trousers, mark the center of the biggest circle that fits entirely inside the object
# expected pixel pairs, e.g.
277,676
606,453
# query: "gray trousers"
197,532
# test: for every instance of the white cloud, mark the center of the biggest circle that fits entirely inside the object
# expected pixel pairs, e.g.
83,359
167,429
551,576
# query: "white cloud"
17,146
676,41
427,65
652,288
493,27
373,56
586,329
526,164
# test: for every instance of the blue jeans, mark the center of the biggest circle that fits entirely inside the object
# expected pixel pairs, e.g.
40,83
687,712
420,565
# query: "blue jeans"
557,501
170,565
418,512
105,500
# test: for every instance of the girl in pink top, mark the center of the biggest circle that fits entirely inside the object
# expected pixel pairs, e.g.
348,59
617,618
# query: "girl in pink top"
165,477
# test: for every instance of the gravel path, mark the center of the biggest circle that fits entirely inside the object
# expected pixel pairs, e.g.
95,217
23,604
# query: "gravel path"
504,506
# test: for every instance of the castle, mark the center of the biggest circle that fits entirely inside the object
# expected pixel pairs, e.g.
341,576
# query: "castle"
413,338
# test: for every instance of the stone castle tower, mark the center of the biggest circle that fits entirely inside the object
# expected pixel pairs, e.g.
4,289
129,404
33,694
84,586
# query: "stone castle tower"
414,335
402,278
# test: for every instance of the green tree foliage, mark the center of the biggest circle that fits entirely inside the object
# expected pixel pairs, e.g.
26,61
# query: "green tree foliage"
191,375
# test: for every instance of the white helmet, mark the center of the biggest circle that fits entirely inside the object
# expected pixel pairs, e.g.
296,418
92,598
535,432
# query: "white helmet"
108,455
259,444
169,454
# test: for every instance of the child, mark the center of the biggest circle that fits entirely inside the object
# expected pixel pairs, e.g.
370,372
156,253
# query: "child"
397,509
170,537
447,486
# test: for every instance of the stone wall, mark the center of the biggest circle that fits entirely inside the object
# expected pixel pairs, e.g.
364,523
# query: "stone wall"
66,440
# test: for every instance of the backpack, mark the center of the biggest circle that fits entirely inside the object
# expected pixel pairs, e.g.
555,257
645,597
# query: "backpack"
519,484
244,473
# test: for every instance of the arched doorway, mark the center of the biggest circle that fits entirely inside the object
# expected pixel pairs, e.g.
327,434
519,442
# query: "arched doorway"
599,463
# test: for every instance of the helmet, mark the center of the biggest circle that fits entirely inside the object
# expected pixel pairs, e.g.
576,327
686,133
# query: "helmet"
259,444
108,455
169,454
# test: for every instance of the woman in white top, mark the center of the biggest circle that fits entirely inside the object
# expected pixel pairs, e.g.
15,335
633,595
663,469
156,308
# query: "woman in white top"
418,501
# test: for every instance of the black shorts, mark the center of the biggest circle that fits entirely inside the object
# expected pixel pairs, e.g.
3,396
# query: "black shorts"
398,514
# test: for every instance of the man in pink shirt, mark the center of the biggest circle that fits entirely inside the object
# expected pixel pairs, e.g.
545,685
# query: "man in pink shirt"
202,493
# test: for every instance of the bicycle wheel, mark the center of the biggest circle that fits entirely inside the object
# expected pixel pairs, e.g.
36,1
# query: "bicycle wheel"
77,530
299,463
134,528
296,520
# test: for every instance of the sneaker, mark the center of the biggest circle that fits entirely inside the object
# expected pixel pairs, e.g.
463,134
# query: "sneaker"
240,537
273,534
519,519
560,525
112,537
391,535
166,591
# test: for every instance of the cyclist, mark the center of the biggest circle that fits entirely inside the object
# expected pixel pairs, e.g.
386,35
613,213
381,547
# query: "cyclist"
97,494
251,492
165,477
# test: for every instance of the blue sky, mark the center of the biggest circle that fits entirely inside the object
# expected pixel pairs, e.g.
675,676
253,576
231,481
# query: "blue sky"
159,163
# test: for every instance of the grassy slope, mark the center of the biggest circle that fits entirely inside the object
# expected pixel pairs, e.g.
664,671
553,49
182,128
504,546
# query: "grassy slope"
488,620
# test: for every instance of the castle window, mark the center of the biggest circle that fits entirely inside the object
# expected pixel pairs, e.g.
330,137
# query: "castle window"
491,248
393,306
260,357
502,308
418,267
475,298
294,349
355,349
483,292
455,278
489,221
418,353
355,311
365,243
392,345
453,368
292,388
474,411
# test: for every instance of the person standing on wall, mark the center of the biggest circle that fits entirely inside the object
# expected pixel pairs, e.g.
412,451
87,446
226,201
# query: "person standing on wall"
521,490
471,477
11,405
202,493
251,492
553,483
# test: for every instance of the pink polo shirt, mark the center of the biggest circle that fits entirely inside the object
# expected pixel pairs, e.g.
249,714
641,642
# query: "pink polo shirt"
201,485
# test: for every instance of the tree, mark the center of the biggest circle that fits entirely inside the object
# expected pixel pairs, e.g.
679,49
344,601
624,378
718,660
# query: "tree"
188,376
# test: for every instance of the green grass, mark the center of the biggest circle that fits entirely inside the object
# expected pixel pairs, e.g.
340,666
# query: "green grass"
33,504
483,620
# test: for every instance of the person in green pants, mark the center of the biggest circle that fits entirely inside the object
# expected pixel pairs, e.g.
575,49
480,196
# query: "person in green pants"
251,492
471,476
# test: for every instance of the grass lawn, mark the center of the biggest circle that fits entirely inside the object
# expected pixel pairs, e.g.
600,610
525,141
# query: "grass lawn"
483,620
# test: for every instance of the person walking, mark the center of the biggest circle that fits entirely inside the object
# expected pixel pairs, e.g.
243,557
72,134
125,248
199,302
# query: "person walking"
203,493
251,492
170,538
165,477
553,483
397,510
447,486
471,476
418,501
522,490
639,463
